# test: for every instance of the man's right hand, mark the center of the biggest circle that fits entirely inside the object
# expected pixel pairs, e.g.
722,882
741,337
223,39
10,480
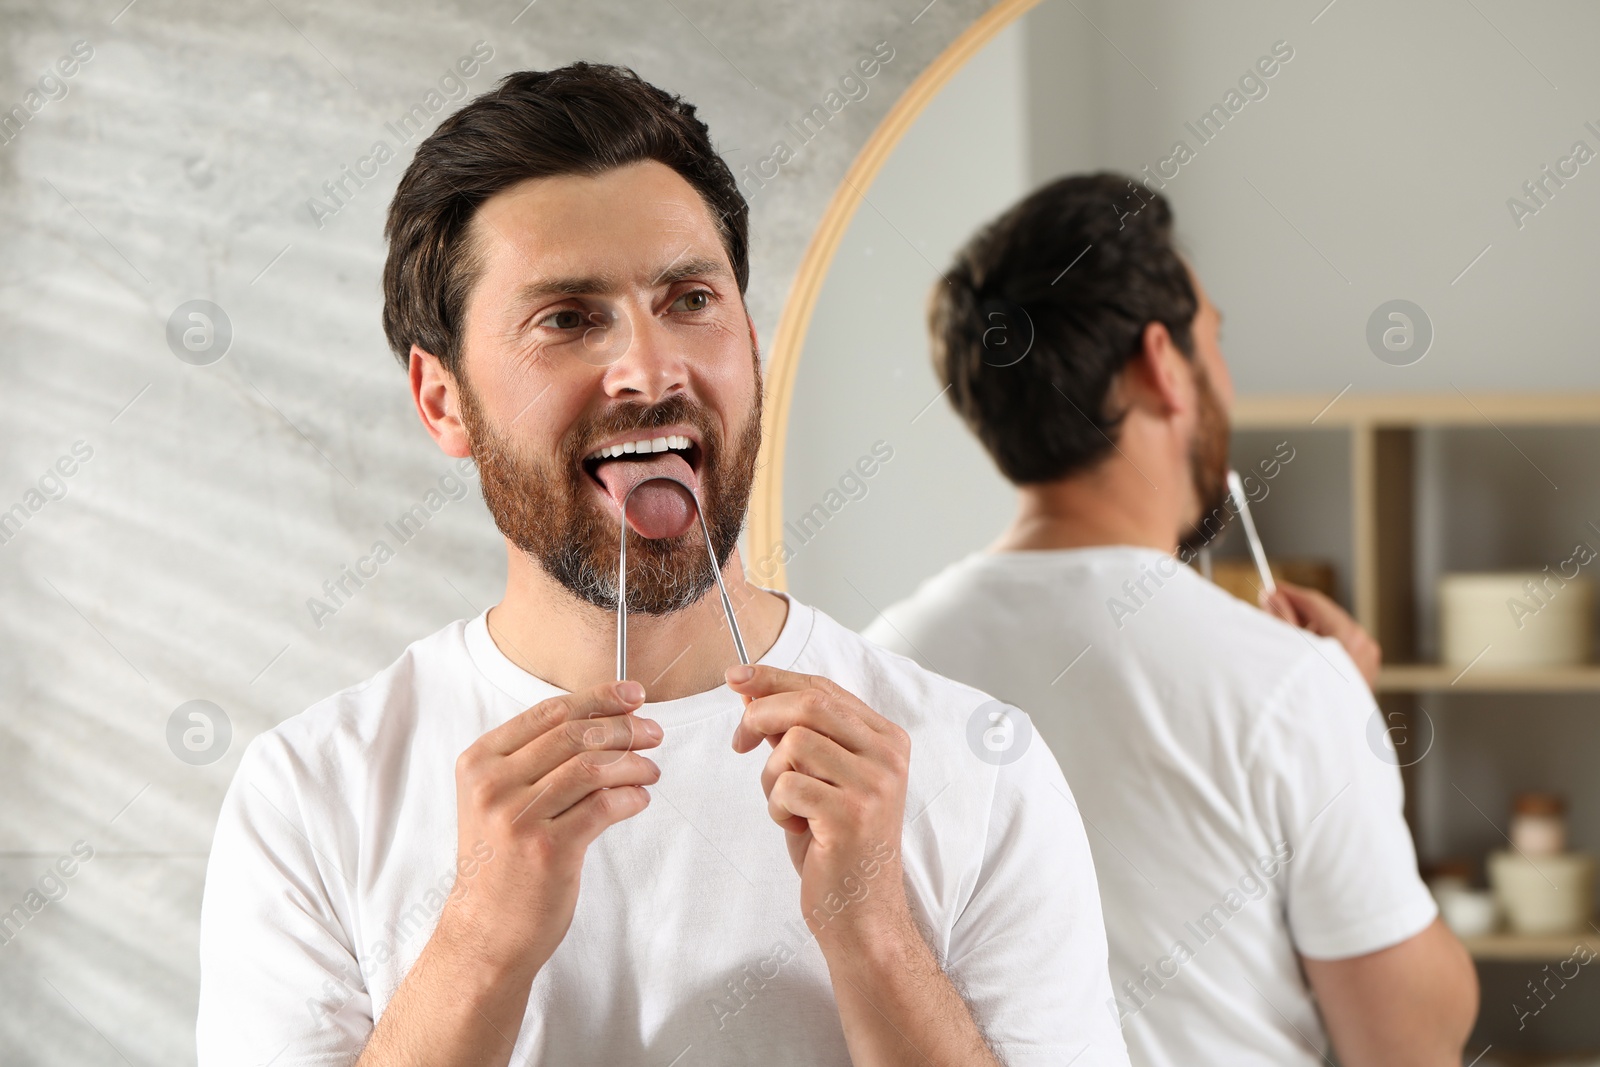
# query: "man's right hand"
539,788
1311,610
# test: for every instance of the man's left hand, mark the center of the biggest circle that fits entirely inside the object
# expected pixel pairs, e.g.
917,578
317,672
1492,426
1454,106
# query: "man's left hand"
836,783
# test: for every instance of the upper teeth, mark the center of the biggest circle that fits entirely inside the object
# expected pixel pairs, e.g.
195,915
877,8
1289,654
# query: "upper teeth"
656,444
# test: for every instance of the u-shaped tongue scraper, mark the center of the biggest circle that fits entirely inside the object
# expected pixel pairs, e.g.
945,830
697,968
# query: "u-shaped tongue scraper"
622,579
1236,487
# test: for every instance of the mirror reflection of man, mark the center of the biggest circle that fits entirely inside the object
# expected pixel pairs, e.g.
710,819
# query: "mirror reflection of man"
1260,885
469,859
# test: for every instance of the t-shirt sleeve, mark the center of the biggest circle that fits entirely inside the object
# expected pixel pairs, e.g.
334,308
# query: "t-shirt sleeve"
279,981
1328,774
1028,949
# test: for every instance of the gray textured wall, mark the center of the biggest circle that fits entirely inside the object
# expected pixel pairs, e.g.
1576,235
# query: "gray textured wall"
175,563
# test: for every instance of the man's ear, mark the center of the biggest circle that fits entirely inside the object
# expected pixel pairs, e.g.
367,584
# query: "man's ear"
437,395
1160,375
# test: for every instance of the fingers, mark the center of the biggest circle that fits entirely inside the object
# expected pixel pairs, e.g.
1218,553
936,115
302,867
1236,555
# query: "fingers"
759,680
554,794
1305,607
1320,613
1312,601
1278,603
781,699
612,698
771,717
550,758
796,800
608,738
588,818
810,753
838,769
1314,610
802,751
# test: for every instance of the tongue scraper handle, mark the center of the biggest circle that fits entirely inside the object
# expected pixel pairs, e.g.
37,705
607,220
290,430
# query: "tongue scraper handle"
622,580
1236,487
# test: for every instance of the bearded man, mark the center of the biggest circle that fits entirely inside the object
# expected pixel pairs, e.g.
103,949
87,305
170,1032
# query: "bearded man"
469,859
1260,884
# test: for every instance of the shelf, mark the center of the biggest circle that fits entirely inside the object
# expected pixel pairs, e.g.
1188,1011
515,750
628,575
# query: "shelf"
1446,678
1519,948
1512,1057
1266,411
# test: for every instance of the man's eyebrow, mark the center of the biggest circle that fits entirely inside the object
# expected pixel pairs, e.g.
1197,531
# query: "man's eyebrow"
566,285
578,284
698,267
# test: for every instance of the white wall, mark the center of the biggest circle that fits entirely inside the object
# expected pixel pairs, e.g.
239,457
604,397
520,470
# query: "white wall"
1377,167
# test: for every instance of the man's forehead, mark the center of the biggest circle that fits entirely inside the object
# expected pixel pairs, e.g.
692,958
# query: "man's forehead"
639,224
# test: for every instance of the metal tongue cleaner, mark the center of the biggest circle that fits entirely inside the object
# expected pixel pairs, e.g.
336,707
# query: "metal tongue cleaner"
663,508
659,497
1236,489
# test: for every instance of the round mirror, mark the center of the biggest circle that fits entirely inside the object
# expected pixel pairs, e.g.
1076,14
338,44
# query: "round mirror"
1323,167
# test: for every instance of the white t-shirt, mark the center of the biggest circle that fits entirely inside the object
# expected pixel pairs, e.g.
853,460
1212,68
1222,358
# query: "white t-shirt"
336,847
1238,812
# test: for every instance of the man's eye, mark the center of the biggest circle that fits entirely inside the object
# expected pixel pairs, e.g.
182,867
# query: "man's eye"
698,300
565,319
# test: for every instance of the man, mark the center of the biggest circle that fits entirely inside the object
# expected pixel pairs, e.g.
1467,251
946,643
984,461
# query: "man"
1260,887
468,859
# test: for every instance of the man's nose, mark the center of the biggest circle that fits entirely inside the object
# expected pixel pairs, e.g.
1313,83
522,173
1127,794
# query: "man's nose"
649,364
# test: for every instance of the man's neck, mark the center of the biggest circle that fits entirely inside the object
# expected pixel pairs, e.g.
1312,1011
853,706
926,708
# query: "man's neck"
572,645
1111,504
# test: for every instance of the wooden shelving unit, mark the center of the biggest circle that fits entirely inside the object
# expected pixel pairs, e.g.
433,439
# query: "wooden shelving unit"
1382,431
1382,442
1514,948
1441,678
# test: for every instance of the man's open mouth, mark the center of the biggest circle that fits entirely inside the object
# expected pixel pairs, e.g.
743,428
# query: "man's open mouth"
658,510
643,449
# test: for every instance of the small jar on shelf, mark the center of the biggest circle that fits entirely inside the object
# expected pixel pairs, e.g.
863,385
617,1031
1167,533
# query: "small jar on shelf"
1539,824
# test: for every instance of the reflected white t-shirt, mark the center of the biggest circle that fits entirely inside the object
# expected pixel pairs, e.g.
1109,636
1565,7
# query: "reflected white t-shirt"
336,847
1241,806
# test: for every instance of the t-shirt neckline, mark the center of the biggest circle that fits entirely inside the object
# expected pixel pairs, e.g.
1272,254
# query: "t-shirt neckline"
529,689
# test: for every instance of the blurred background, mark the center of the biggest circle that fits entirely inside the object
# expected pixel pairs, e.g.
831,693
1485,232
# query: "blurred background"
205,428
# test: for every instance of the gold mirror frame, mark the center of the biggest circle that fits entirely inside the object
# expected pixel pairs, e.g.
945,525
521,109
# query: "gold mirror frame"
783,357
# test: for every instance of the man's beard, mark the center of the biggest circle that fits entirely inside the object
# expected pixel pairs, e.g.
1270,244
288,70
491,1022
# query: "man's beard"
1208,468
547,509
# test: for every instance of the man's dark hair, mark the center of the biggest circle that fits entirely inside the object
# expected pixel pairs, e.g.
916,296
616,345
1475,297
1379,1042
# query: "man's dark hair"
1042,310
586,118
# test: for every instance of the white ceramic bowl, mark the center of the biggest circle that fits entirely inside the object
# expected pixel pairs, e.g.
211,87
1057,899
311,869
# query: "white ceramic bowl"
1469,912
1544,895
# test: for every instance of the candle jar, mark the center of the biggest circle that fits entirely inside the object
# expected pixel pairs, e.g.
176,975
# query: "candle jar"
1539,824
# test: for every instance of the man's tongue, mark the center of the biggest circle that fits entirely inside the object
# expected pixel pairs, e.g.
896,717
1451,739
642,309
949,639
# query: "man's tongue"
660,508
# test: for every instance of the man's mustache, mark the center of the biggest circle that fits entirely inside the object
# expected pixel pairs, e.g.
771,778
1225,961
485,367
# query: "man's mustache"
641,417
